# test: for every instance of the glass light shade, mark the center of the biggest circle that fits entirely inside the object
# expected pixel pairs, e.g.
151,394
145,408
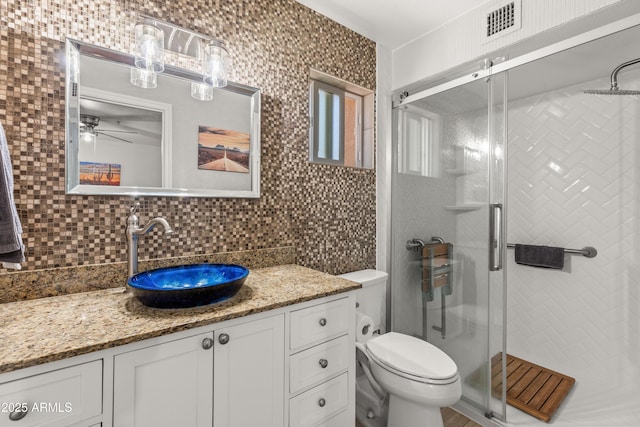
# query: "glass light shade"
201,91
215,64
144,78
87,135
149,48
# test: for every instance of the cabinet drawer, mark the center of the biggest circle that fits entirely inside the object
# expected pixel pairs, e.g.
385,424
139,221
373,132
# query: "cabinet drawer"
318,363
313,325
318,405
341,420
57,398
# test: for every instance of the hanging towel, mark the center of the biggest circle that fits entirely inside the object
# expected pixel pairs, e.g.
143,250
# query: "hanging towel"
540,256
11,246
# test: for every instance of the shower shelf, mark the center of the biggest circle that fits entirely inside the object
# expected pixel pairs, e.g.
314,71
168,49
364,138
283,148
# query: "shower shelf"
460,172
464,208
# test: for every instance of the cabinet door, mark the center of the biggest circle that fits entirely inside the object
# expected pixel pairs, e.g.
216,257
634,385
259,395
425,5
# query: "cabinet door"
249,374
165,385
57,398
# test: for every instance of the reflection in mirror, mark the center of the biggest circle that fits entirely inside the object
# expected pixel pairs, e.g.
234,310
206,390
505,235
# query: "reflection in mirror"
418,141
122,137
127,140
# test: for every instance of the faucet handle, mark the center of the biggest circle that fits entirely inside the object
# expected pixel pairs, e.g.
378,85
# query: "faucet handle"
134,208
132,219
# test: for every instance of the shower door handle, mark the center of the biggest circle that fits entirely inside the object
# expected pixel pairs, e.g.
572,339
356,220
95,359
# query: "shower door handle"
495,237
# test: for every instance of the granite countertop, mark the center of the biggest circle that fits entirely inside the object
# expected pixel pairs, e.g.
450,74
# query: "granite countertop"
47,329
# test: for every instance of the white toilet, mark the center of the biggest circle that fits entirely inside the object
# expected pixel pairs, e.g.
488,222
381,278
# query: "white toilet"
418,377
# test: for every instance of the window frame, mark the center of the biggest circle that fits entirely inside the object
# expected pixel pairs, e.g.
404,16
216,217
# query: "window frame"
364,152
359,125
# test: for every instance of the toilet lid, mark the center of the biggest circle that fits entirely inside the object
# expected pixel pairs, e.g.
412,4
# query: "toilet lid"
412,356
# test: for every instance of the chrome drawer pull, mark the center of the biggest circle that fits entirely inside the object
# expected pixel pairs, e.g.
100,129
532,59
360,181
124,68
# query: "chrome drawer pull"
323,363
322,402
323,322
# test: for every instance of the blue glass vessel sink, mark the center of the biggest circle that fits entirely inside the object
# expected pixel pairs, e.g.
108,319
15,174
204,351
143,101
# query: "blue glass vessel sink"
188,285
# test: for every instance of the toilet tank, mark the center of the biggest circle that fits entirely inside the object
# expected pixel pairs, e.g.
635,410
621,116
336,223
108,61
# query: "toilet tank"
371,300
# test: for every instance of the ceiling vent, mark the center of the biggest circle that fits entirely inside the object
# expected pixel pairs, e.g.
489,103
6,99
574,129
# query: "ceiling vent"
502,20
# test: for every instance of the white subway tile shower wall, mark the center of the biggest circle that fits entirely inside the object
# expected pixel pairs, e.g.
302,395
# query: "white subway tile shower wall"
574,181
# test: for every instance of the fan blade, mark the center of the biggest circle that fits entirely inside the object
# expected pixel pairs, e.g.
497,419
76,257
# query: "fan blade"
119,131
115,137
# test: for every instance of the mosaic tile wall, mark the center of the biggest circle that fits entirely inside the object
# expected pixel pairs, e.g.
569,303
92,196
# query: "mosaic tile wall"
326,212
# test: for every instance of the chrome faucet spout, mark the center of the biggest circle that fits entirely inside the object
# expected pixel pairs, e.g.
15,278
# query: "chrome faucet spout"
152,223
134,230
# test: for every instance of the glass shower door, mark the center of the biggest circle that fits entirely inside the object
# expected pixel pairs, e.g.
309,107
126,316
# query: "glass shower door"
447,283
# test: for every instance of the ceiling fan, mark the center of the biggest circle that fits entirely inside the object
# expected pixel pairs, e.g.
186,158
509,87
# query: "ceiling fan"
89,133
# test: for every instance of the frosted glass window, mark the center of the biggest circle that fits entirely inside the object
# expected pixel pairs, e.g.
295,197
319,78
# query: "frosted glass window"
329,125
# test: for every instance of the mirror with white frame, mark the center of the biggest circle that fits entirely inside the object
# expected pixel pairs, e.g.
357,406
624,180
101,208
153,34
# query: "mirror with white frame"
122,139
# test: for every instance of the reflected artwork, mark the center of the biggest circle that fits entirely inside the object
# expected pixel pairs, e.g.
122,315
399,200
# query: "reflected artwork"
92,173
223,150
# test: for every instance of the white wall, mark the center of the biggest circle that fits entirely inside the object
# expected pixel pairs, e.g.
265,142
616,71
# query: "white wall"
574,181
383,156
139,163
461,40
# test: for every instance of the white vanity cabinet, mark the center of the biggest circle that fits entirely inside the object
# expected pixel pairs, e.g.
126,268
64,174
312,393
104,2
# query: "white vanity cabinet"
232,377
289,366
169,384
321,379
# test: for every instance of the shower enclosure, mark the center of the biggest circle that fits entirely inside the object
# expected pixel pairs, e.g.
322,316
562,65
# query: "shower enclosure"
517,152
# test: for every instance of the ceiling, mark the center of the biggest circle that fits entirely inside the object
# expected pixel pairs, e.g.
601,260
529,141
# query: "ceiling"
392,23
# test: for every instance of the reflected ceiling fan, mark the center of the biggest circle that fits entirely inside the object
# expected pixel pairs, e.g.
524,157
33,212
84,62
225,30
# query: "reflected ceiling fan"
89,133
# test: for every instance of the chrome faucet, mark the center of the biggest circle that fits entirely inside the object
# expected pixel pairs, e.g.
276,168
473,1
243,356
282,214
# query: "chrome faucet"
134,230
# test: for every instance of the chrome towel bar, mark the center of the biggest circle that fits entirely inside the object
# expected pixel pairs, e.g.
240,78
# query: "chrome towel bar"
587,251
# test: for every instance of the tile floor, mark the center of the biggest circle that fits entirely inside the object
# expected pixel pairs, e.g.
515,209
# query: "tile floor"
451,418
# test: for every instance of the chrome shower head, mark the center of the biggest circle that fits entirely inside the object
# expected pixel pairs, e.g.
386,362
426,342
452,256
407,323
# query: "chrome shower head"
614,82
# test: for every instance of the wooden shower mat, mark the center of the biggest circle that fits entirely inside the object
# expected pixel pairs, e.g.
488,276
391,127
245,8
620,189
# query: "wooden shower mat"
531,388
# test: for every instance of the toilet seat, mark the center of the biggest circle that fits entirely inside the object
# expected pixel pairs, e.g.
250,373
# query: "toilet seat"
412,358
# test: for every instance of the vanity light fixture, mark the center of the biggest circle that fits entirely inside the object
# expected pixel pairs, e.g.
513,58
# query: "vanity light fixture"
154,37
149,56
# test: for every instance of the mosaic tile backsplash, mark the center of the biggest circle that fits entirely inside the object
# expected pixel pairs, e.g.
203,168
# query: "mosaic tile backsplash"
326,212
